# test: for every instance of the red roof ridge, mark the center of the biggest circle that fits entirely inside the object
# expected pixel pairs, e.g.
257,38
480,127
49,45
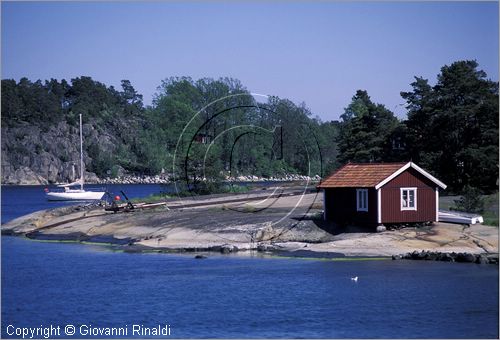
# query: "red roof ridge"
371,175
375,163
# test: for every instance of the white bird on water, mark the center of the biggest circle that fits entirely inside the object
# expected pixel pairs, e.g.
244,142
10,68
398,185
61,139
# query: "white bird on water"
355,279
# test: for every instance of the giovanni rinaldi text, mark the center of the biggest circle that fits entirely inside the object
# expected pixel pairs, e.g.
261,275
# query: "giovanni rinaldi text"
50,331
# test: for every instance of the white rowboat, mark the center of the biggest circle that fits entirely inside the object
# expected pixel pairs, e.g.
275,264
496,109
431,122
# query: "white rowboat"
459,217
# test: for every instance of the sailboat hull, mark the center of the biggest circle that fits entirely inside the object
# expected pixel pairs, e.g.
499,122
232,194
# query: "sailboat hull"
75,195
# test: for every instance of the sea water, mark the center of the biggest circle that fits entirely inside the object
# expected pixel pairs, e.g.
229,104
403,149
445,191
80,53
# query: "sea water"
21,200
90,290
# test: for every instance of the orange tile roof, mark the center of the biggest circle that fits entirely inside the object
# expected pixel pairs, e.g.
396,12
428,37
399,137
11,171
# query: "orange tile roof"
360,175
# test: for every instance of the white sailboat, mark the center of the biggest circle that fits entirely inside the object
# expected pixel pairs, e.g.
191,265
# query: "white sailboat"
70,194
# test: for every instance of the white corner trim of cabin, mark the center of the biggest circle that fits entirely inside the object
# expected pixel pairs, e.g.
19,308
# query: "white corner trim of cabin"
437,204
379,206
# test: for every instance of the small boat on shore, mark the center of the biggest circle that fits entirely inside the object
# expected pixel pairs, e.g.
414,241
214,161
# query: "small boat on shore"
459,217
70,194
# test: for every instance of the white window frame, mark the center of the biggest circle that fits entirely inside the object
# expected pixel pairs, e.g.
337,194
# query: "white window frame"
362,199
408,193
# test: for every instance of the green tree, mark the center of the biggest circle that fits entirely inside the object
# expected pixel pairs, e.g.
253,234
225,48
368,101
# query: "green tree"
12,105
471,200
327,136
263,139
365,131
131,97
453,126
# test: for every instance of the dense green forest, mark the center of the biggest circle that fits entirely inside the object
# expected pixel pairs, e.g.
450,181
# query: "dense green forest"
210,128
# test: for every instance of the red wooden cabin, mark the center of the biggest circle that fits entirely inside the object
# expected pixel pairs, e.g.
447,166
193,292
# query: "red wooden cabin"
383,193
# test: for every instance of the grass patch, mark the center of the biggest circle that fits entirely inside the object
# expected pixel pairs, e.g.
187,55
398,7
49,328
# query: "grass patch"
160,197
447,202
224,189
236,189
50,241
490,212
153,198
332,259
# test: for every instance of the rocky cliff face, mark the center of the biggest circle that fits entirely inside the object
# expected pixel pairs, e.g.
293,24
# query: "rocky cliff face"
33,156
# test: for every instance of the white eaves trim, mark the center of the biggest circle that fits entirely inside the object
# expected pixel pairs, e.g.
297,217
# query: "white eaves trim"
406,167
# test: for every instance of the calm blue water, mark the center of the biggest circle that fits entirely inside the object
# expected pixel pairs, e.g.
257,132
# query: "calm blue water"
45,283
22,200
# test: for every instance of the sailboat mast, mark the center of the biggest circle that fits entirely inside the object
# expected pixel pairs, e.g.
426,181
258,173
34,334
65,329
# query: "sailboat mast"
81,154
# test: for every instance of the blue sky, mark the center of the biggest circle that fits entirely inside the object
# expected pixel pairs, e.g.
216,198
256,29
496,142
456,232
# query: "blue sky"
316,52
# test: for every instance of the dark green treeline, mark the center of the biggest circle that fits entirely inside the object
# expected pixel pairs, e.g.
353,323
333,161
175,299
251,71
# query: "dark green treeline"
215,127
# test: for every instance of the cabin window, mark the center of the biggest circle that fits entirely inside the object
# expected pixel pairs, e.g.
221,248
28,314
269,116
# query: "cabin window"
362,199
408,198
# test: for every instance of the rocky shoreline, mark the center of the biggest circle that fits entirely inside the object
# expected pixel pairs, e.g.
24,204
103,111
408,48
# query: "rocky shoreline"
287,225
129,245
25,176
166,179
449,257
